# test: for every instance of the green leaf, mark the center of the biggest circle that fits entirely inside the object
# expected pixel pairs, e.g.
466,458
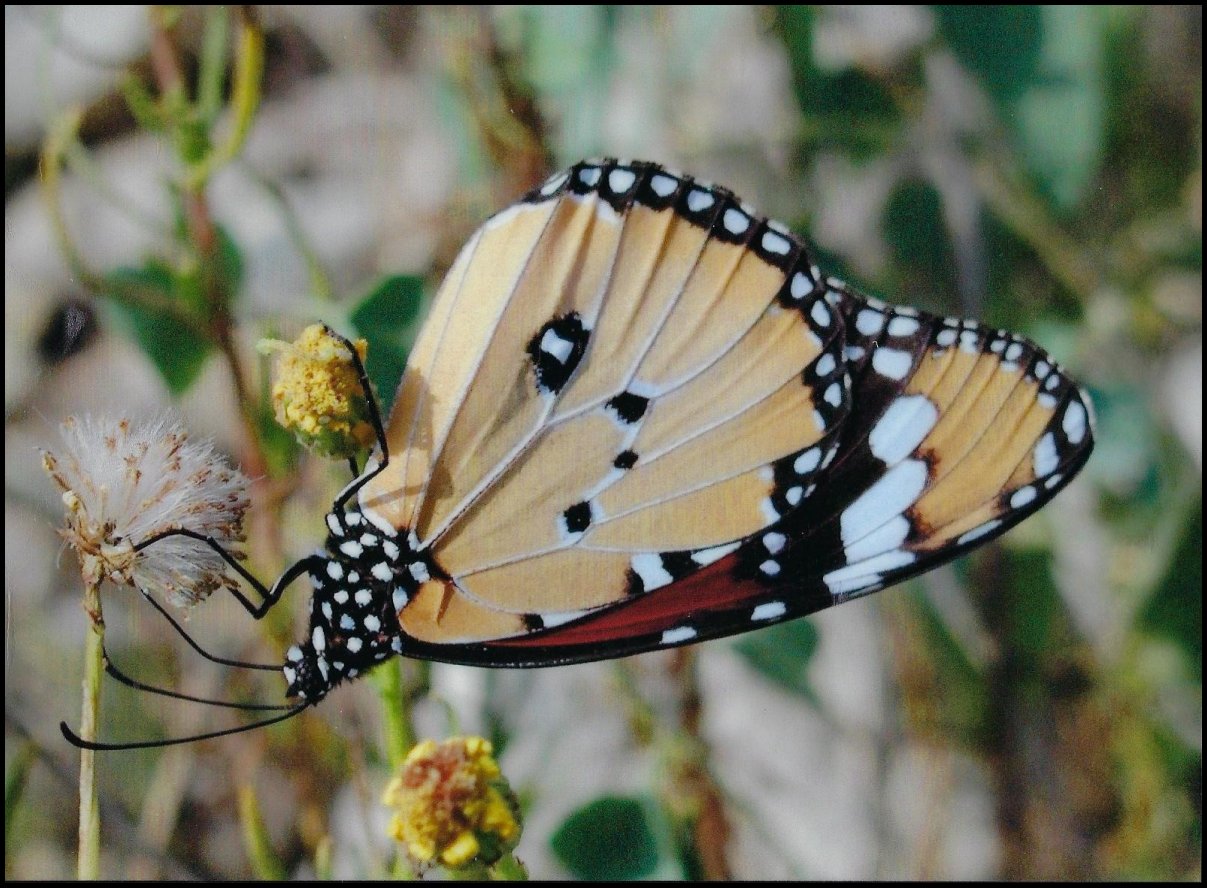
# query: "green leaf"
916,231
612,838
141,104
279,446
228,265
1036,612
794,25
1154,127
1001,45
1019,288
192,138
782,653
390,307
1060,123
385,317
15,781
1043,66
963,702
849,109
913,223
1175,611
175,349
1126,446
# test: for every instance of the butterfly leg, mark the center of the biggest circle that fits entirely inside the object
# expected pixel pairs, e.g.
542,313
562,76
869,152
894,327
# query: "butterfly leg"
269,596
137,685
282,711
213,658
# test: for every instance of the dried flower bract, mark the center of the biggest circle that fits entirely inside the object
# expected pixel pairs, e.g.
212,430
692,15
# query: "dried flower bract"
124,484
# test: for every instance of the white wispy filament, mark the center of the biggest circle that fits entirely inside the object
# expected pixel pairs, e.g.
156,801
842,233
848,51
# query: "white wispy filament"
124,484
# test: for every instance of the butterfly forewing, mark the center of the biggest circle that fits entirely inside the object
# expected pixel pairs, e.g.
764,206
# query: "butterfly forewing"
446,357
639,417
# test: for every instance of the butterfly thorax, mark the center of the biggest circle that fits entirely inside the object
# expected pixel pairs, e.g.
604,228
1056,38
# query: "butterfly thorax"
362,580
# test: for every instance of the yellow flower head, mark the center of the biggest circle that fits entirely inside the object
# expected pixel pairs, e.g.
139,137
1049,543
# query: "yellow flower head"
453,805
317,393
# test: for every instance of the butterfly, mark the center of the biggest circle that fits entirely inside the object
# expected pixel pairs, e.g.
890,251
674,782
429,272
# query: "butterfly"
639,416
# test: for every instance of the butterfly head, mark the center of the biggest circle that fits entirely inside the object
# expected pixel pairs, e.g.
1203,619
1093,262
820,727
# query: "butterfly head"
307,672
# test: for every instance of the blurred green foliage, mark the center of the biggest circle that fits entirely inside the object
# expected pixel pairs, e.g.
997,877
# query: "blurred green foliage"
782,653
385,317
613,838
177,354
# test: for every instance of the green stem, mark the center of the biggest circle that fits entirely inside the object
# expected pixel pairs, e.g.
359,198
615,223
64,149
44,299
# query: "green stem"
213,64
264,862
60,142
396,695
508,869
201,230
1027,218
320,282
322,860
245,100
16,779
89,862
396,716
62,133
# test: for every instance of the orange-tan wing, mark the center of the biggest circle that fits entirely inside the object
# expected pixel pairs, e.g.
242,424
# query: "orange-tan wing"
626,362
656,438
957,432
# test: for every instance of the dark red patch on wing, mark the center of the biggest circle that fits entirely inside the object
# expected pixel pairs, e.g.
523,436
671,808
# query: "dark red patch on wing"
710,589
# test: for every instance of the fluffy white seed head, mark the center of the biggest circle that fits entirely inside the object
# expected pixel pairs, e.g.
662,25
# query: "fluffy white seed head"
124,483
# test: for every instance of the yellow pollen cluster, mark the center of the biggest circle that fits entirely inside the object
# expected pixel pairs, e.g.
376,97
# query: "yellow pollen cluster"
452,804
317,393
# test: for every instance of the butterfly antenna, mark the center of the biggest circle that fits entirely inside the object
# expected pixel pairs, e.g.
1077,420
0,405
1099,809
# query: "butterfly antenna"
367,390
267,667
383,445
129,682
79,742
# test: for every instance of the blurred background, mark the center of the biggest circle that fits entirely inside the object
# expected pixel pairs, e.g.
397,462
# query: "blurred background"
1033,711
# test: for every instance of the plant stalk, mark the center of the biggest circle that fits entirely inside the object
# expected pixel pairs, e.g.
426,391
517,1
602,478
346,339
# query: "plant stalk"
89,862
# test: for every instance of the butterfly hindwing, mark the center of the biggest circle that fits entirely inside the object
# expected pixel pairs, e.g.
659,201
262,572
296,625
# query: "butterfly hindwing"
675,428
1040,431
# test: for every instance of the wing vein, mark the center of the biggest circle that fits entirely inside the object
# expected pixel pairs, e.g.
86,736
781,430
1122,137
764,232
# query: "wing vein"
438,447
423,395
488,480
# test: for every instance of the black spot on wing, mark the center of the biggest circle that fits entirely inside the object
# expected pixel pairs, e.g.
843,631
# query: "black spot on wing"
625,460
629,407
578,517
533,622
556,350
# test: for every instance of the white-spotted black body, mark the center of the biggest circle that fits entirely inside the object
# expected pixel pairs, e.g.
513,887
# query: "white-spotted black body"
361,581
